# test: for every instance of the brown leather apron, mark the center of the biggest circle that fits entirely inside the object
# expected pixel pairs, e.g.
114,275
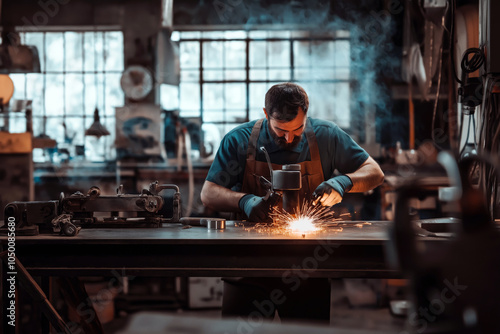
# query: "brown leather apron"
312,172
312,176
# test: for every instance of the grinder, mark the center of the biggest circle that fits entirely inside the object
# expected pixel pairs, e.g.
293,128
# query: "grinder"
289,181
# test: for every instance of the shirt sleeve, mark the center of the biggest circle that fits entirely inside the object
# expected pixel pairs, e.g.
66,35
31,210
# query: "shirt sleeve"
348,155
229,163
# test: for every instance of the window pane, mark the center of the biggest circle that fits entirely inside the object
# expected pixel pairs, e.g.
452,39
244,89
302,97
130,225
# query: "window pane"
19,81
258,34
55,53
190,96
99,48
90,93
53,97
74,96
213,98
301,54
212,137
322,74
190,54
257,94
37,40
210,75
74,130
301,74
114,54
323,52
109,152
235,34
342,56
330,101
35,92
256,114
238,116
280,75
212,34
100,92
55,129
175,36
114,94
169,96
190,75
258,52
341,95
213,55
235,96
73,51
190,34
17,122
258,74
235,54
343,73
235,74
190,113
278,34
300,34
39,126
213,115
279,54
89,56
94,148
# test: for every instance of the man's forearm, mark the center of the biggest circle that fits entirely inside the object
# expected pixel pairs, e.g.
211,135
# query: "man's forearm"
219,198
367,177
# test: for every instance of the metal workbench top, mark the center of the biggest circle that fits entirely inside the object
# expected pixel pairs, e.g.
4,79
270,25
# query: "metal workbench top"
176,251
353,232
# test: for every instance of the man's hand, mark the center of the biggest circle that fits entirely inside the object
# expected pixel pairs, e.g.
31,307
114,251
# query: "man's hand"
331,192
256,208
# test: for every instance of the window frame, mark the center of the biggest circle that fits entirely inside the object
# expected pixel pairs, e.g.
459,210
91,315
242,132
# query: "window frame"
106,116
314,36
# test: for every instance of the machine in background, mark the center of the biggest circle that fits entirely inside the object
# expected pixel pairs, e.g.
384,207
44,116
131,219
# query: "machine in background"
69,214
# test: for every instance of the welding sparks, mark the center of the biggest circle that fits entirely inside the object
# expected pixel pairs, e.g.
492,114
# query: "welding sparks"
302,225
309,219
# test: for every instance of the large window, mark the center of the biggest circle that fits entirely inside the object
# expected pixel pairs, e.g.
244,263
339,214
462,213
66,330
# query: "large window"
80,71
225,74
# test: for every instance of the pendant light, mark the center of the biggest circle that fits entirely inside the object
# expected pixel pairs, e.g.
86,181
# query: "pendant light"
97,129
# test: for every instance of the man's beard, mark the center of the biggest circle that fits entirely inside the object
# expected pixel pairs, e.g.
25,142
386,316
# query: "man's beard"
281,141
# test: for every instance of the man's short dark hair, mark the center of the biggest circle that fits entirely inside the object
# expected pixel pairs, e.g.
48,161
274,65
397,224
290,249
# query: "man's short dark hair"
284,100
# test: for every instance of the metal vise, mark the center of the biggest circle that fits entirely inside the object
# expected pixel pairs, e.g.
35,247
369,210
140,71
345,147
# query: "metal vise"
289,181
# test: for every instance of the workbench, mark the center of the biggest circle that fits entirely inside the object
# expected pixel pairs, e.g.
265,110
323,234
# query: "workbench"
358,251
173,250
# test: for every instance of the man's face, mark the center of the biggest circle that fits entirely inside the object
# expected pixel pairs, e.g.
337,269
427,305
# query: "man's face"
287,135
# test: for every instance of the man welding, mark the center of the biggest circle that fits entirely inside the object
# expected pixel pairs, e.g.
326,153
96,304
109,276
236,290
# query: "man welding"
234,184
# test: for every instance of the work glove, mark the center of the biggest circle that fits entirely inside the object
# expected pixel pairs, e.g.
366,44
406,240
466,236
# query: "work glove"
330,192
256,208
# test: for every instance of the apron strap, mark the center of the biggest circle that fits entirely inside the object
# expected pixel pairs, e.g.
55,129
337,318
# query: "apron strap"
252,141
312,142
